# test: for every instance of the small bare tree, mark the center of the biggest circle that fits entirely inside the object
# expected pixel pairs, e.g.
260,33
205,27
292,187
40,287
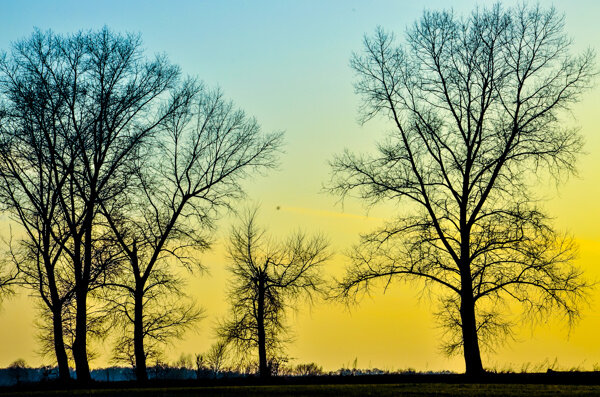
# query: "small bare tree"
216,356
201,369
268,278
475,104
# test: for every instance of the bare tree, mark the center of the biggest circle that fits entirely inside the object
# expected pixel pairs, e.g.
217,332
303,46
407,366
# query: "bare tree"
268,278
31,179
216,356
475,104
191,171
103,99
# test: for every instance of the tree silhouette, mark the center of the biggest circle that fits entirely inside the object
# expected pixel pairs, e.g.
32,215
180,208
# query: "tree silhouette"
190,172
475,104
216,357
268,278
89,100
30,140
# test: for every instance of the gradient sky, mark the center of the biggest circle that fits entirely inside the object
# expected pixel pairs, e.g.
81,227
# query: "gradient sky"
286,63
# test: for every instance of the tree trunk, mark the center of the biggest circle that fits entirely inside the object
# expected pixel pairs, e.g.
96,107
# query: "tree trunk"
472,354
82,367
62,361
56,307
141,373
473,365
263,368
82,274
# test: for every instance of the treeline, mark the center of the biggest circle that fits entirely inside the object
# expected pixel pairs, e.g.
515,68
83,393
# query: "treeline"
187,368
116,168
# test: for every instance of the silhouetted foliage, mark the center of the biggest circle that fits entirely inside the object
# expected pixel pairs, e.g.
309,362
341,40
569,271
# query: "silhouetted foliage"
475,104
267,278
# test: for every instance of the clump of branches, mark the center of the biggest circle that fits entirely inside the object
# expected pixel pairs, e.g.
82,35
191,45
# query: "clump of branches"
9,270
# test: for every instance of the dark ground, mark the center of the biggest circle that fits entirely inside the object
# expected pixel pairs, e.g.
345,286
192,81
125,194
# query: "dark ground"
551,384
409,389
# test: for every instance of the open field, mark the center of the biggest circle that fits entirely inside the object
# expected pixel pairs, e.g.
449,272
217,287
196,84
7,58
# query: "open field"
411,389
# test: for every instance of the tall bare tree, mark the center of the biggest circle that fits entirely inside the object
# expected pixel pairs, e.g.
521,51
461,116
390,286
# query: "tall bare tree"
104,99
32,178
476,105
267,279
191,170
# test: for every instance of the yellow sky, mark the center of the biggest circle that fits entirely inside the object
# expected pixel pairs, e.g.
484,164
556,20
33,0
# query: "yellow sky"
394,330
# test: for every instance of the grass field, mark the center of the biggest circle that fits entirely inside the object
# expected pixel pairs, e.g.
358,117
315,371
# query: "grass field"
411,389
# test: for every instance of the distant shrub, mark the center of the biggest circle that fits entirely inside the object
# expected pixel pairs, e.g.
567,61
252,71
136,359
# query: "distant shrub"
18,370
310,369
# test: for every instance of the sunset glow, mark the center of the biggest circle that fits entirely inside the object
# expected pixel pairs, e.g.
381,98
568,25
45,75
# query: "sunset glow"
286,64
